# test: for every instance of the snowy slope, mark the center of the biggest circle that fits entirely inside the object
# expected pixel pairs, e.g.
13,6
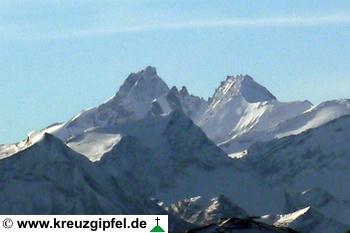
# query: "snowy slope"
311,118
241,112
8,150
307,220
235,120
257,120
32,138
94,144
314,117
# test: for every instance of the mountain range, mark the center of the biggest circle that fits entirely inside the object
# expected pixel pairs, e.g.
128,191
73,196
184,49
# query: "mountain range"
240,154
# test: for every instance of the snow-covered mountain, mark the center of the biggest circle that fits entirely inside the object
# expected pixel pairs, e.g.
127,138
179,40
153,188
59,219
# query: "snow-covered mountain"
191,105
306,160
314,163
50,178
243,86
171,159
312,118
132,102
158,149
241,111
138,95
174,146
307,219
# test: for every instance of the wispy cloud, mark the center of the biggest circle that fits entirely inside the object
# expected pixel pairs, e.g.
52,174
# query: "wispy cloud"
277,22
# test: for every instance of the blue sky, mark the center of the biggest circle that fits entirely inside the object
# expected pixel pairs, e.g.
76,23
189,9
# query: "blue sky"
59,56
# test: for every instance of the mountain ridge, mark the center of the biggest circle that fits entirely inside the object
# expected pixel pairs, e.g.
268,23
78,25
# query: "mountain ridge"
175,146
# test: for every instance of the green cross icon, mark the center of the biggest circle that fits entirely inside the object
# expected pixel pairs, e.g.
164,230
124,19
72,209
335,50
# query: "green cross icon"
157,228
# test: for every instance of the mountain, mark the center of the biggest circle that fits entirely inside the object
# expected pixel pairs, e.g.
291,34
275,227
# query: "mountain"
157,150
138,95
316,160
327,204
173,146
132,102
178,159
241,111
241,86
202,212
312,118
171,159
241,226
50,178
308,220
8,150
323,152
68,183
191,105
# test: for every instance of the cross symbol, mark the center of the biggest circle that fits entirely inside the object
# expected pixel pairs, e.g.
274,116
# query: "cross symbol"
157,219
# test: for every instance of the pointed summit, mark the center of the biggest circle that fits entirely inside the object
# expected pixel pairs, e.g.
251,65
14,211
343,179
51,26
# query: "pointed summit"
131,103
145,83
184,91
150,70
173,99
245,87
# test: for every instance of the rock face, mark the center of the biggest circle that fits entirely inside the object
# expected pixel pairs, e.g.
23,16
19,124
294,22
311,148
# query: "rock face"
315,158
202,212
242,86
312,166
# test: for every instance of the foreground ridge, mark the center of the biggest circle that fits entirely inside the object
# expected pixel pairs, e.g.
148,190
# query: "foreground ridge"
237,225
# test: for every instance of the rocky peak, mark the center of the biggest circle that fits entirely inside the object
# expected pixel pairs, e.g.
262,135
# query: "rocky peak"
243,86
